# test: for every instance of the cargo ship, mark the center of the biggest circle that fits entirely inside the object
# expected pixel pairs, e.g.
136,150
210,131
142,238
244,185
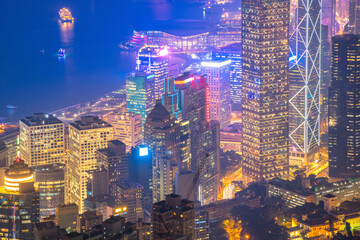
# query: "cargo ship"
65,15
61,53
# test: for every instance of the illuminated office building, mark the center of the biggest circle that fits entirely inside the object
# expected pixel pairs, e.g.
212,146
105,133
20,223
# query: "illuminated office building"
127,128
9,134
353,26
162,135
131,195
193,99
3,155
42,140
344,107
218,79
140,93
86,136
170,98
114,160
19,202
205,140
154,60
232,52
173,217
265,94
51,183
304,79
140,171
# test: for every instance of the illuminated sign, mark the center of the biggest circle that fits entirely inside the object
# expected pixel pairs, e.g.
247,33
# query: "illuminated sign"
120,210
143,151
216,64
180,82
150,76
292,58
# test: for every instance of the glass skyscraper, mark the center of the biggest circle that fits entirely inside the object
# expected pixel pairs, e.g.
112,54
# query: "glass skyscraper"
265,88
140,95
304,99
344,108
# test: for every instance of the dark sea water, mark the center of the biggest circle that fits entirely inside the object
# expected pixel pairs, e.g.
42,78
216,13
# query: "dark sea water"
34,79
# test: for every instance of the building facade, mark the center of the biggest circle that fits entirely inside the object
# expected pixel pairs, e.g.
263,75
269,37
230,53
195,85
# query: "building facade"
42,140
304,76
127,128
19,202
86,136
140,93
265,88
51,183
218,79
344,107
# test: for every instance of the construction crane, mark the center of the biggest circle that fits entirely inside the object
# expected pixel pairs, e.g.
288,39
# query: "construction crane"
197,175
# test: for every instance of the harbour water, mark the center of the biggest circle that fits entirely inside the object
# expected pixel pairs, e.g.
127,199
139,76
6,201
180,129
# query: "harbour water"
32,76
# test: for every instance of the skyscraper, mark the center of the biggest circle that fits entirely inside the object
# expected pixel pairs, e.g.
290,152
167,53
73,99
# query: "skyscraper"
265,88
353,26
232,52
304,79
127,128
115,161
140,93
193,97
344,108
170,98
218,80
162,135
3,155
173,217
86,136
42,140
19,202
154,60
51,183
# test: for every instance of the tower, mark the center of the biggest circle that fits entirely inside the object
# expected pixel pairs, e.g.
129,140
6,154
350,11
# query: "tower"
265,88
218,80
304,77
86,136
344,107
42,140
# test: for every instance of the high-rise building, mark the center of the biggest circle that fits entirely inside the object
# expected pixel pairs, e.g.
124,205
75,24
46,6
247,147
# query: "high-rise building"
51,183
173,217
127,128
131,194
162,135
86,136
218,79
193,97
353,26
304,79
344,107
19,202
87,220
265,82
42,140
232,52
140,171
140,93
115,160
66,217
205,145
170,98
3,155
154,60
9,134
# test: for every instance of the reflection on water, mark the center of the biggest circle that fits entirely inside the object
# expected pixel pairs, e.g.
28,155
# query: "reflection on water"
66,33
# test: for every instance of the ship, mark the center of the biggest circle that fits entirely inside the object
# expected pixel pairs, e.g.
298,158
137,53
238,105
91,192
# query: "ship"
65,15
61,53
11,107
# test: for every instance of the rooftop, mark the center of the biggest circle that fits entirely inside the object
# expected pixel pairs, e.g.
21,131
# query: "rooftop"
89,122
45,225
38,119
